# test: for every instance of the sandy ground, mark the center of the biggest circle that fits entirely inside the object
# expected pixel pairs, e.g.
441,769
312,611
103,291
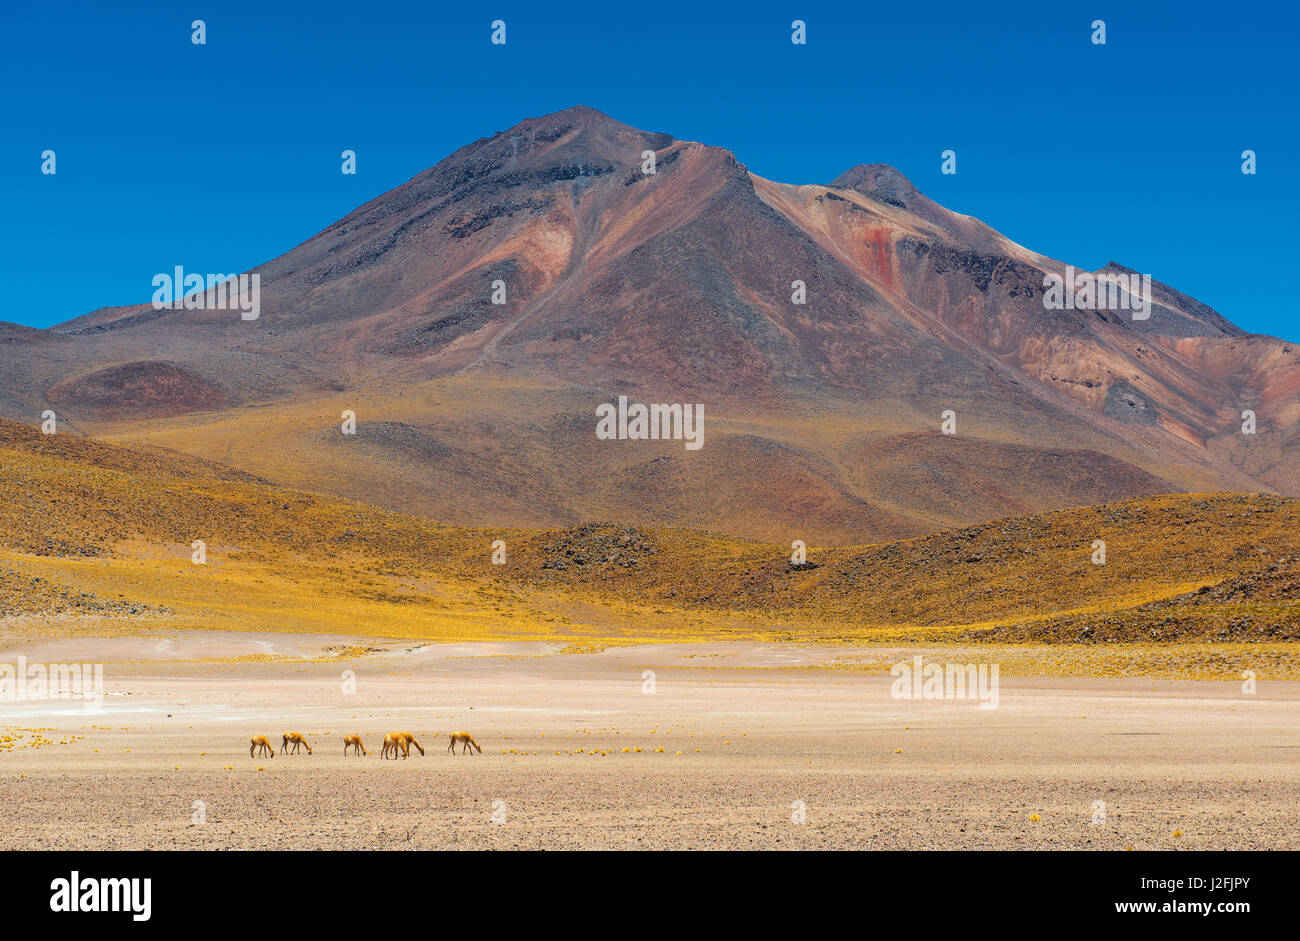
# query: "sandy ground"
754,738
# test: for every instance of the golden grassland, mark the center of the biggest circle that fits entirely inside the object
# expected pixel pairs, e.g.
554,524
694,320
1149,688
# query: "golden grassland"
96,539
457,449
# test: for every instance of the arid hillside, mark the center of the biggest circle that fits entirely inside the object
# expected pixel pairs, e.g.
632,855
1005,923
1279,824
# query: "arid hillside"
474,317
100,538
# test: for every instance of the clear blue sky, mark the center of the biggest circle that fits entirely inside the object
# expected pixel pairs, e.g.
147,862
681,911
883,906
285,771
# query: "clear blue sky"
220,157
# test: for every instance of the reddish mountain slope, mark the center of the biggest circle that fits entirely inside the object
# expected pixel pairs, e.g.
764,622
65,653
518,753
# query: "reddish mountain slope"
676,287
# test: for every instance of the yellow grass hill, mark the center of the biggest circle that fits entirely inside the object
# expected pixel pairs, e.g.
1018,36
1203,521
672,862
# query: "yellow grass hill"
98,538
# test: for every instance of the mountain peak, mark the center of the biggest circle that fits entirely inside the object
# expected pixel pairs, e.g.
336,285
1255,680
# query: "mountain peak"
580,112
578,133
587,121
880,181
577,114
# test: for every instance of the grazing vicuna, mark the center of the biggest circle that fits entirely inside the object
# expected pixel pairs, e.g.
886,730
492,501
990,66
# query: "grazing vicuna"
296,740
410,740
465,739
355,742
394,743
262,744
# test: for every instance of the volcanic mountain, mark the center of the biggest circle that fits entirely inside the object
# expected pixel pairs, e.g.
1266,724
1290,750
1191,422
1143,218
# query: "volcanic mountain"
475,317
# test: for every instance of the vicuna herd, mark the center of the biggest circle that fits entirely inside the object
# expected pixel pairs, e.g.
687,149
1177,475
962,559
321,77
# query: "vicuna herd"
394,743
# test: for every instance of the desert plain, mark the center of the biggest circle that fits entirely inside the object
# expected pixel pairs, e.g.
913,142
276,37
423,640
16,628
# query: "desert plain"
711,745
